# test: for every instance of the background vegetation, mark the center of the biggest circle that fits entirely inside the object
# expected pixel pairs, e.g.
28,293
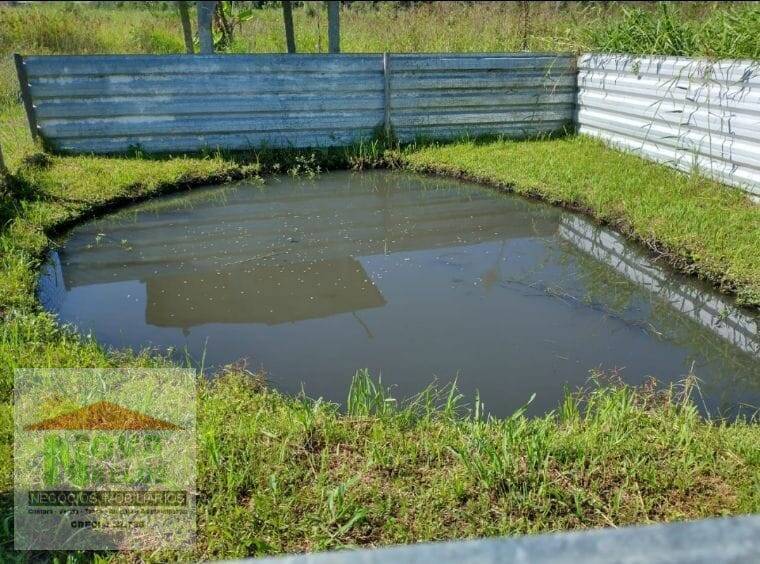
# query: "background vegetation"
712,29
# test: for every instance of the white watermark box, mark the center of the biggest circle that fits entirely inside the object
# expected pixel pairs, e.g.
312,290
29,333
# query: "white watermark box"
104,459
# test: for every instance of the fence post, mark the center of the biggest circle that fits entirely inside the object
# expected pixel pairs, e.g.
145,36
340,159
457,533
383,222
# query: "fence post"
287,16
3,168
205,15
387,94
333,27
187,31
26,97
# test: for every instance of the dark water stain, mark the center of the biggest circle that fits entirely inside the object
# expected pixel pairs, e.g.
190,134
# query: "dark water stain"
415,278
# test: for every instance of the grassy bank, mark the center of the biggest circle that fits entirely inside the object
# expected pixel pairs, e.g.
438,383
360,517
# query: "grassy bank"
383,475
696,224
280,474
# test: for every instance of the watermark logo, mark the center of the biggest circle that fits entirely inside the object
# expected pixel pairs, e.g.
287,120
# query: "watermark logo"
104,459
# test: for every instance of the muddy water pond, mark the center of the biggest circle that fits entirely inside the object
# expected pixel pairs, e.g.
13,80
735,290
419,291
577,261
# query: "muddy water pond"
417,279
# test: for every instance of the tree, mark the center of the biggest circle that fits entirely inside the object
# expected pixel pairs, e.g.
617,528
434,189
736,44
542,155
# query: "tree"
287,16
224,17
205,18
187,31
227,15
333,27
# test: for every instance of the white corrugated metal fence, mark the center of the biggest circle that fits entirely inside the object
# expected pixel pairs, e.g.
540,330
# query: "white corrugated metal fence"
684,112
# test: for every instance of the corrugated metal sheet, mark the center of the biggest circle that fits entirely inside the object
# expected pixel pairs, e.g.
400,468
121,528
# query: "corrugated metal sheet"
107,104
725,540
445,96
685,112
114,103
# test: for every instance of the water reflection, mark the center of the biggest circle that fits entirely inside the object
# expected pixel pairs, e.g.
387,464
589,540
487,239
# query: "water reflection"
710,310
414,278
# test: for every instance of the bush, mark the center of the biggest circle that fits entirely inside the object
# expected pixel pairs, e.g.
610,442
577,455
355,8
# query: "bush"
730,32
47,31
158,40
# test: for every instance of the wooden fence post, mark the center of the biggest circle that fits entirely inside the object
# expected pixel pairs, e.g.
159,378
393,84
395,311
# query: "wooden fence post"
333,27
3,168
205,17
187,30
287,16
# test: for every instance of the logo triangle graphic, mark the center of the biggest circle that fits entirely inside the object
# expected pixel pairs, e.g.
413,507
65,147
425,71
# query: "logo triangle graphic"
103,416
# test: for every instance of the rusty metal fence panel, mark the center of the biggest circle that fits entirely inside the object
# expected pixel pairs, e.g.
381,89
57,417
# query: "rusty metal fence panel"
689,113
174,103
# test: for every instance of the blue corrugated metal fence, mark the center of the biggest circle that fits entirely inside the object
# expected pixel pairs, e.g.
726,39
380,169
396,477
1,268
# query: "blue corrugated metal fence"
114,103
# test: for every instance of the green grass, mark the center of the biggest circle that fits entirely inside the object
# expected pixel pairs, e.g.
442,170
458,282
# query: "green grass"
292,475
722,33
279,474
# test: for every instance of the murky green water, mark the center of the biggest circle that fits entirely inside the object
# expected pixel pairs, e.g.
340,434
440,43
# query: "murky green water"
415,278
